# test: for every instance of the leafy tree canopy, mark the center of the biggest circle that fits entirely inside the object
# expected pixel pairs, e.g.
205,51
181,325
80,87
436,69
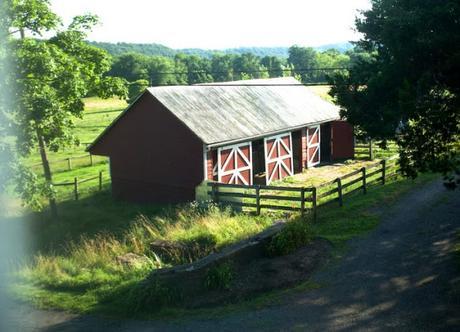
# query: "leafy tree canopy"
408,86
50,77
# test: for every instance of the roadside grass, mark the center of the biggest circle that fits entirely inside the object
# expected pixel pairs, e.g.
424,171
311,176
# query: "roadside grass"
79,271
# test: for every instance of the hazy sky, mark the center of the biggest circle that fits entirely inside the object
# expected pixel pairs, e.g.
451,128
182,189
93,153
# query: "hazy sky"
219,24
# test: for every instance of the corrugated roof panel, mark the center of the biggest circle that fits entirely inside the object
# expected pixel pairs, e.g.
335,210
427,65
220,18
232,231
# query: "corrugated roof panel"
236,110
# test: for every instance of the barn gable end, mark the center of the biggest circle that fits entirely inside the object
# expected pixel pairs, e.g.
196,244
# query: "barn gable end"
154,157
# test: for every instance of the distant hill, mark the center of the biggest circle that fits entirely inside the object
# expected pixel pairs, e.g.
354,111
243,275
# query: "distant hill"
158,49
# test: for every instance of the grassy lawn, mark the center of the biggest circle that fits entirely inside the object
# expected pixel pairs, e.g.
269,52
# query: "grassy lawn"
98,114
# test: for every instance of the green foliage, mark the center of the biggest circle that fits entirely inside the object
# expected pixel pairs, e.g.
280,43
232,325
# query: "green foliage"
50,78
32,15
152,295
135,89
294,235
220,277
407,87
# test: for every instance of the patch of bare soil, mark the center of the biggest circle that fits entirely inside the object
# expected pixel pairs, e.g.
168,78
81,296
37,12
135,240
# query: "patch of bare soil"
265,274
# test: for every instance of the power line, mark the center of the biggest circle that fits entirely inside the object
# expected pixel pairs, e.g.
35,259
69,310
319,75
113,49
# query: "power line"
231,71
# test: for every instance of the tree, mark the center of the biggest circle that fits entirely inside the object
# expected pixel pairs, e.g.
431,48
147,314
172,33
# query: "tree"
130,66
161,70
222,67
51,77
198,69
274,65
303,58
408,89
135,89
248,65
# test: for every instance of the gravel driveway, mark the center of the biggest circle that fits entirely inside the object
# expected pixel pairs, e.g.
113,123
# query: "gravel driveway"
400,277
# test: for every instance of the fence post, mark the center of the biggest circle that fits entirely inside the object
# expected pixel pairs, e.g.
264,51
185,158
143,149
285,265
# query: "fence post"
371,150
339,190
258,200
214,192
75,188
363,170
91,159
384,167
314,202
69,163
100,180
302,202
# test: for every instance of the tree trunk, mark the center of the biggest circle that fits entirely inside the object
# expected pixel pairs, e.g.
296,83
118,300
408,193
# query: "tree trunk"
46,171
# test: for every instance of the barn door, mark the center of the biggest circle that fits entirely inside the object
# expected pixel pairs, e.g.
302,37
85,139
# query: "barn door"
313,146
278,157
234,164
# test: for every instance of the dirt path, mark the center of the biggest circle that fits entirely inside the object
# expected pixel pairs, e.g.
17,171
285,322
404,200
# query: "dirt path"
399,277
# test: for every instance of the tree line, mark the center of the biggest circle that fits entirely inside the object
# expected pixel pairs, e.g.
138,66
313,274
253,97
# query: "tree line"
305,63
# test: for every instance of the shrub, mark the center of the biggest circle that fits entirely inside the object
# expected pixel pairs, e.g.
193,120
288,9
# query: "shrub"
152,295
220,276
294,235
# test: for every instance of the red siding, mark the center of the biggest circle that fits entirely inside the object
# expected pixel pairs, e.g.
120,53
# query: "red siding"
153,156
342,140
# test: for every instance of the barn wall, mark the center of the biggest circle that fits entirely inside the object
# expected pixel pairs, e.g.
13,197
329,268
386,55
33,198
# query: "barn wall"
342,140
153,156
304,148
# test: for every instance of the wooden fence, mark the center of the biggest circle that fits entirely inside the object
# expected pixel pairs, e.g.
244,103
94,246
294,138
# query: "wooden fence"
302,199
67,164
77,182
371,150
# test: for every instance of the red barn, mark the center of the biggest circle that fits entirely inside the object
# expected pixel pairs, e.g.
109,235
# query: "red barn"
258,131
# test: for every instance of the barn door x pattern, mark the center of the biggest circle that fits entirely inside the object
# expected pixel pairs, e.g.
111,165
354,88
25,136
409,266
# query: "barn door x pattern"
234,164
313,146
278,157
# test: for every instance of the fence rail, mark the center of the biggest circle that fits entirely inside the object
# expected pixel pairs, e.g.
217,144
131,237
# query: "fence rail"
303,198
76,184
371,150
67,164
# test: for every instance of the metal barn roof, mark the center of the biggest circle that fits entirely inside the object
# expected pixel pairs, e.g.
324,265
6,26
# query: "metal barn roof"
233,111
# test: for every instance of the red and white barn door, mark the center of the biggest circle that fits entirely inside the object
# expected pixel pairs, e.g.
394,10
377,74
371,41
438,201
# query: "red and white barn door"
278,157
313,146
234,164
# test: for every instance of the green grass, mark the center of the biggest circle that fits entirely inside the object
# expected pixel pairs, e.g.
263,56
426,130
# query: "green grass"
77,270
98,114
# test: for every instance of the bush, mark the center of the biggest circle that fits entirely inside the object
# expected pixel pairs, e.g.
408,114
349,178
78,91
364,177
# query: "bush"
220,276
295,234
152,295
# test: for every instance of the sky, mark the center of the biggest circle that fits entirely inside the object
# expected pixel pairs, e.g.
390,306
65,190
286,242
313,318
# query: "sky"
216,24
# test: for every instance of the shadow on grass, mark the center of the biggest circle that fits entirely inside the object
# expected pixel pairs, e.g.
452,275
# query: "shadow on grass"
91,215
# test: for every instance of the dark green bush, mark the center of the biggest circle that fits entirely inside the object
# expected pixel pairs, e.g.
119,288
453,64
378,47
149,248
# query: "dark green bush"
152,295
295,234
220,276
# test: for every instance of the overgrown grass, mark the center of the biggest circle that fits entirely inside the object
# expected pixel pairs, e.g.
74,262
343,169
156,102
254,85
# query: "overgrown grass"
86,276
